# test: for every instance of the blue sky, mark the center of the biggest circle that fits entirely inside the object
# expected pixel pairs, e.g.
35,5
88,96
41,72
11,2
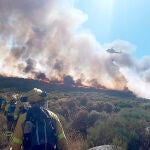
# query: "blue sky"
111,20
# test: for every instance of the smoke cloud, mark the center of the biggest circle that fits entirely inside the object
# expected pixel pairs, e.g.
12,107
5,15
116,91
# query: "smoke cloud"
41,76
68,80
42,36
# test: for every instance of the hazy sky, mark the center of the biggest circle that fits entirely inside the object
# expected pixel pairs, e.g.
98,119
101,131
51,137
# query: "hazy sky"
111,20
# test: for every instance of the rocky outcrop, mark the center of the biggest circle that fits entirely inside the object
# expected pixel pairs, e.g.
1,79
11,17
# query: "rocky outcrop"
106,147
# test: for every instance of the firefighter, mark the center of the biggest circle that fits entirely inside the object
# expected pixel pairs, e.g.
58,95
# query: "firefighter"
25,138
21,107
10,109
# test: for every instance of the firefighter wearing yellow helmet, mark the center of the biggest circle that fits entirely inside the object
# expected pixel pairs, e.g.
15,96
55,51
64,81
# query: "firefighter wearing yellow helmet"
10,109
39,128
21,107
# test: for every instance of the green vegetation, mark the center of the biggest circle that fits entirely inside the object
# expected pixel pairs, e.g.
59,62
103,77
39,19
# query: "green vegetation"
118,121
96,117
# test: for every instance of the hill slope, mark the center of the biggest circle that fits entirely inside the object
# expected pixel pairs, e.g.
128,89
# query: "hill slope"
21,84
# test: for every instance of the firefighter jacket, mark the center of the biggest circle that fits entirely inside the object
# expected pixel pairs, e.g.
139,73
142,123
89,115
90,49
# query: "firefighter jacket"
18,133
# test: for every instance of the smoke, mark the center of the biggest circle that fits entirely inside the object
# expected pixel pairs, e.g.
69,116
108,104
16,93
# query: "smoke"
41,76
29,65
43,39
68,80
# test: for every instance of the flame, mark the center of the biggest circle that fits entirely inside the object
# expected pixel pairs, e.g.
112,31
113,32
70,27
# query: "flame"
75,85
71,85
44,80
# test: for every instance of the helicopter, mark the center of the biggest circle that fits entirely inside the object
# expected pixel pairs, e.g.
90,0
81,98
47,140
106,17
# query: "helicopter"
112,50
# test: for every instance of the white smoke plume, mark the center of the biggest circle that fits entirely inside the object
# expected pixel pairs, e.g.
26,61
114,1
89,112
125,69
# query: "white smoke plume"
42,38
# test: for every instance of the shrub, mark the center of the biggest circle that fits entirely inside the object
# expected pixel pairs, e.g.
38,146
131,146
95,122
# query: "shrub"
93,117
75,140
146,106
119,132
124,104
82,100
81,122
108,108
100,134
3,129
136,115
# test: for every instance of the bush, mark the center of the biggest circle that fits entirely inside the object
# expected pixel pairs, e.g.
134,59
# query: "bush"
93,117
146,106
145,141
100,134
82,100
124,105
108,108
81,122
3,129
119,132
136,115
75,140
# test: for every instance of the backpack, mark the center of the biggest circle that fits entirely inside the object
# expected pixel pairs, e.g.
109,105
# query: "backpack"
39,130
11,109
22,110
1,101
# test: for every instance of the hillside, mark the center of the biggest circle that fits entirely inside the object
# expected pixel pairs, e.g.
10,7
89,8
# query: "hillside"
92,117
21,84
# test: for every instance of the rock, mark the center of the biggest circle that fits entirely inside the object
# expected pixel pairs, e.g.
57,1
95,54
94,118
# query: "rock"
106,147
147,130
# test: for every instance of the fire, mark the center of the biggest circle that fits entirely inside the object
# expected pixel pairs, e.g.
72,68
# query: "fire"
45,80
61,82
73,85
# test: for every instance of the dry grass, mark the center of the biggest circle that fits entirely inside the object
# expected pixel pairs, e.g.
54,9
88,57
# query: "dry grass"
75,140
3,129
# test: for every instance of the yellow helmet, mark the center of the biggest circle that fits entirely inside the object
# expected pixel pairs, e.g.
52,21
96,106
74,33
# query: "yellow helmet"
2,96
35,95
14,97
